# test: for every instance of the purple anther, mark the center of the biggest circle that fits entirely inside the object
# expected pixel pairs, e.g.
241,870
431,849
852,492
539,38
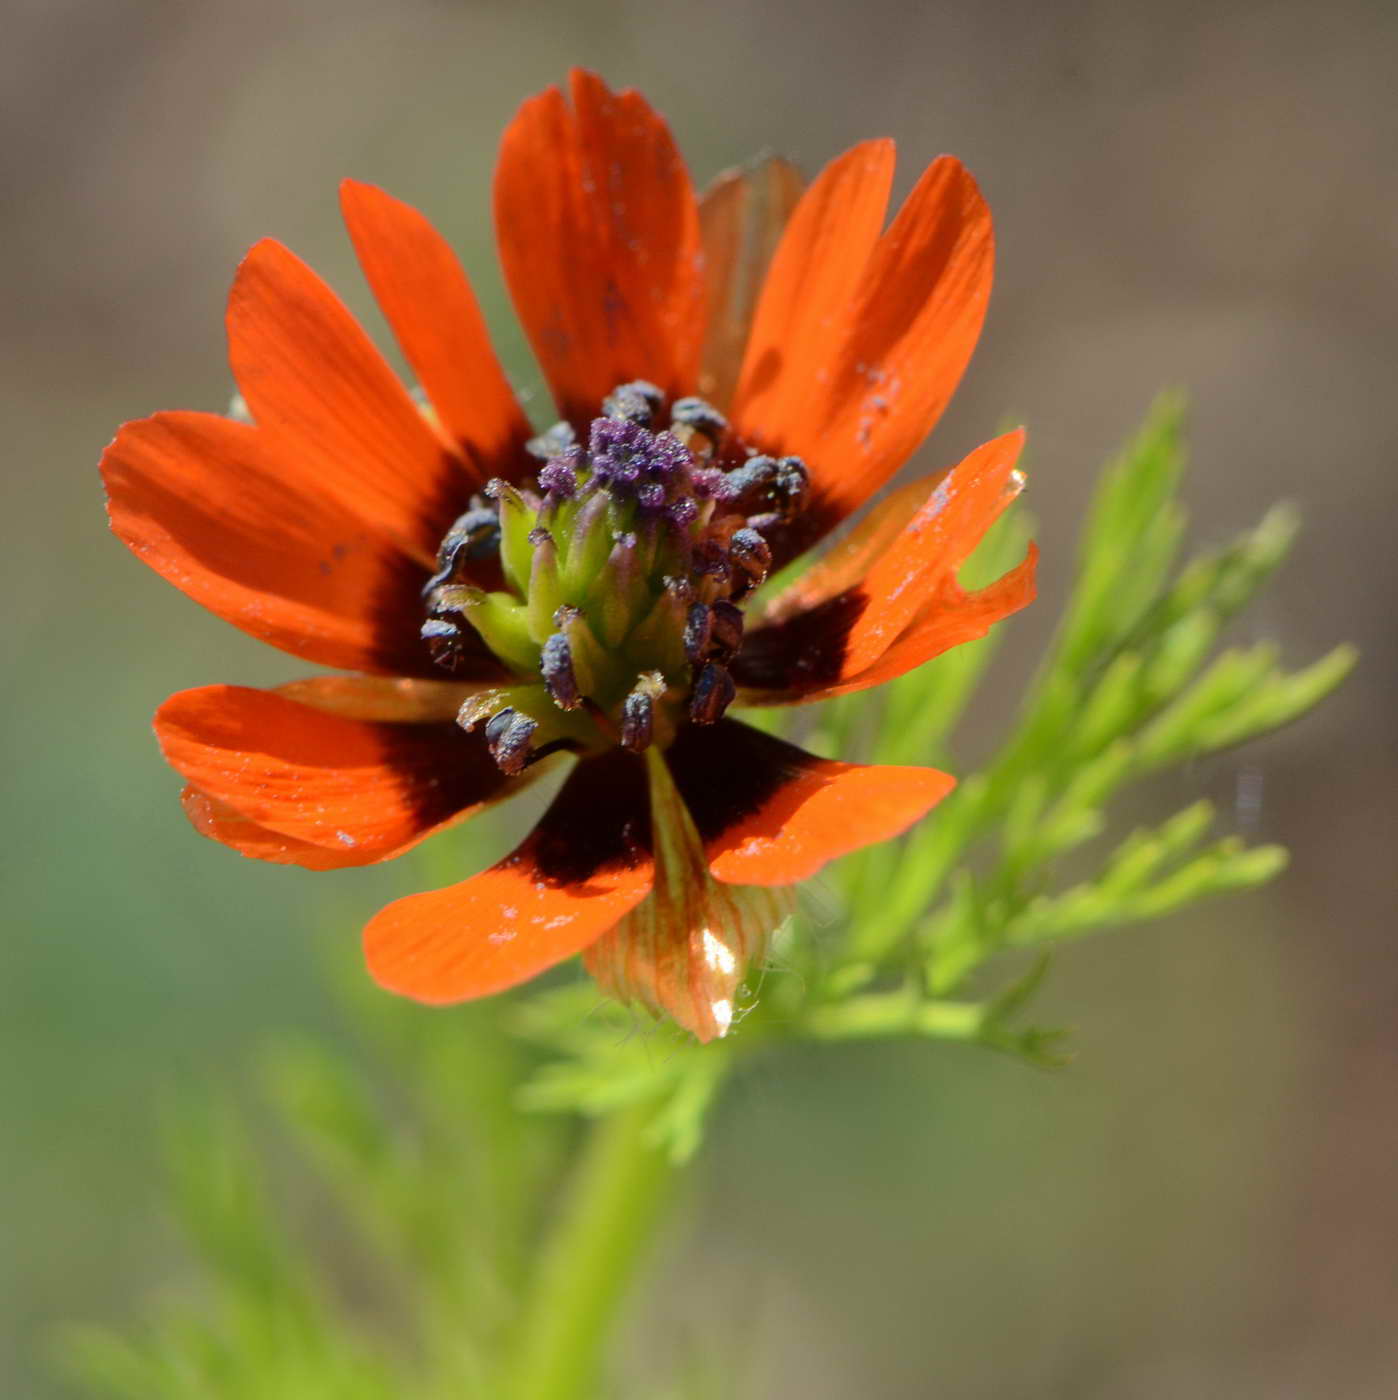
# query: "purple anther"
619,450
706,483
682,511
560,474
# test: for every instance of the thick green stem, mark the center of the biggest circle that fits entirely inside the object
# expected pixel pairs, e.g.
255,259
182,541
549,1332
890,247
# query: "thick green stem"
588,1261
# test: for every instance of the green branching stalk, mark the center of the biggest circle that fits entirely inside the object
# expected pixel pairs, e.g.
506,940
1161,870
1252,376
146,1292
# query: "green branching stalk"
448,1182
587,1263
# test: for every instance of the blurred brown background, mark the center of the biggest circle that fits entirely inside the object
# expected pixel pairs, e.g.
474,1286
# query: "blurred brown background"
1205,1203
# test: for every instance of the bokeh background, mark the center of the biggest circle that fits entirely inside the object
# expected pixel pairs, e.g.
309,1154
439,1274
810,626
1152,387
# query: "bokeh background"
1206,1202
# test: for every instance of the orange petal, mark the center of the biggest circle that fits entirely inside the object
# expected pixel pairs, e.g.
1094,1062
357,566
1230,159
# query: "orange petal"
948,620
884,358
844,564
240,524
827,633
314,380
772,814
742,215
598,230
228,826
428,302
584,866
349,786
391,701
816,270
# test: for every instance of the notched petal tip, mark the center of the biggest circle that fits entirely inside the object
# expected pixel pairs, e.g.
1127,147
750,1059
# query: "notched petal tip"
598,232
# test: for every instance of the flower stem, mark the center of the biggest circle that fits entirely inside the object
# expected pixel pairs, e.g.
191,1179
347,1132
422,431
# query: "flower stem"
617,1195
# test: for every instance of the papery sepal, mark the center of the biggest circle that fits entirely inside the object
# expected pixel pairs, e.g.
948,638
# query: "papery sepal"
686,948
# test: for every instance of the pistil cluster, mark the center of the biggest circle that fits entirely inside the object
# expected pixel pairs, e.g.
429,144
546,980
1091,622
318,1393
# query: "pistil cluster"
624,567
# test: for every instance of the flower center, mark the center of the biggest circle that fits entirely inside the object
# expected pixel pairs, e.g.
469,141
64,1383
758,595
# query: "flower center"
626,564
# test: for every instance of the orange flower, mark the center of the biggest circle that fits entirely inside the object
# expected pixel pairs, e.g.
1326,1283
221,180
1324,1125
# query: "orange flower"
501,597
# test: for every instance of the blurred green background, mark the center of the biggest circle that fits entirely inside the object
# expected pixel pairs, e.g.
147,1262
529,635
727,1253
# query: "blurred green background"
1204,1203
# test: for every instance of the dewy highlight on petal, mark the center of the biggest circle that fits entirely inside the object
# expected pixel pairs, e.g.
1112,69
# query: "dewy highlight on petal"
735,375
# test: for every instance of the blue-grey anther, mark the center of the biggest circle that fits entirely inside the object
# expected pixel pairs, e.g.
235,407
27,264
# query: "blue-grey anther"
713,694
698,627
751,556
556,665
768,490
636,402
445,644
725,629
637,721
508,735
473,536
552,442
703,417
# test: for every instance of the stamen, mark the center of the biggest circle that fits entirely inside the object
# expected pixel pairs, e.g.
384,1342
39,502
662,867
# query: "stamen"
553,442
713,694
636,402
637,721
726,628
698,628
508,736
560,681
559,475
768,486
474,535
445,643
701,416
752,557
682,512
